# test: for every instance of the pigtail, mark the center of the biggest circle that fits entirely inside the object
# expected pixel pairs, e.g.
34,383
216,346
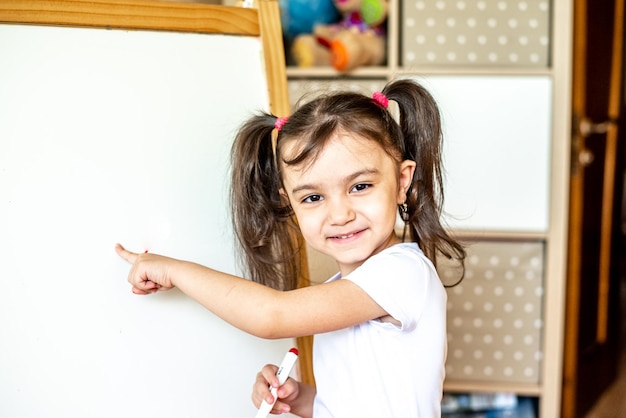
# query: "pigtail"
262,220
420,124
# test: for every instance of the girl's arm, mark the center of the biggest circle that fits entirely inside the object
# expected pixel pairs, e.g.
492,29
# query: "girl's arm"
252,307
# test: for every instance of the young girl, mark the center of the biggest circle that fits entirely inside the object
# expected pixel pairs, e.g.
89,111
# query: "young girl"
340,169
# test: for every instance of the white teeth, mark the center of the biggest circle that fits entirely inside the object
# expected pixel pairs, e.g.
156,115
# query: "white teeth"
346,236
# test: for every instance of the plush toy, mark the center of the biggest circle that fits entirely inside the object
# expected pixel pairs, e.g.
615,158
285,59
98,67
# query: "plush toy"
301,16
357,40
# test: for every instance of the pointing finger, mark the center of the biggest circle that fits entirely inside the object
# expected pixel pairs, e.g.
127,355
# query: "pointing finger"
125,254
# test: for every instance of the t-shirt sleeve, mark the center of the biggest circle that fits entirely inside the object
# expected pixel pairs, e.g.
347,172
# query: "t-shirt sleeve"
399,282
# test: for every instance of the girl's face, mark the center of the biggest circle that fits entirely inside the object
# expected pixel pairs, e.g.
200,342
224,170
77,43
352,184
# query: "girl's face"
346,200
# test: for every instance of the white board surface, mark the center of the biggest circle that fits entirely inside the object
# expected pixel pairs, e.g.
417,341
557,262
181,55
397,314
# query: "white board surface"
119,136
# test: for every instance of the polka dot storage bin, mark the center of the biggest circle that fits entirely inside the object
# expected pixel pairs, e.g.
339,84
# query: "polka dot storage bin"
495,314
484,33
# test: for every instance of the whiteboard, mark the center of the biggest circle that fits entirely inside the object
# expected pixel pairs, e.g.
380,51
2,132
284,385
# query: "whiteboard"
119,136
497,136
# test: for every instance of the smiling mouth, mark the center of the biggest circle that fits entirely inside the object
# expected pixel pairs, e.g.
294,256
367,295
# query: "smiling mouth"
345,236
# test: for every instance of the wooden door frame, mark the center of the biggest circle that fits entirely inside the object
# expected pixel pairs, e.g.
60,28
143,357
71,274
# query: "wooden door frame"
570,357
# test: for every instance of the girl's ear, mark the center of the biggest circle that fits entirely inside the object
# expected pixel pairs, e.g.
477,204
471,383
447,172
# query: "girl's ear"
407,169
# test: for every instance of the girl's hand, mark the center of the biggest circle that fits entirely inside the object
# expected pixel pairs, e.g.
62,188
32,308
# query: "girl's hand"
286,393
149,273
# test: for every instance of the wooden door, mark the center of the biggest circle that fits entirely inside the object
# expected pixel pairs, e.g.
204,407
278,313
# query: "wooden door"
592,309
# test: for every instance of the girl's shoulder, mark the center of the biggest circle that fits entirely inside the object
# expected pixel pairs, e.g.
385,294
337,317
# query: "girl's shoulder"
405,258
404,250
398,257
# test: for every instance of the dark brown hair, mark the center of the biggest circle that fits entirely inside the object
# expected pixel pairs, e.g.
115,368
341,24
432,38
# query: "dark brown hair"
263,220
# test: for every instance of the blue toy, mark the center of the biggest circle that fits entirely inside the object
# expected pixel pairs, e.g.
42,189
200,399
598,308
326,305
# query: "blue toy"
300,16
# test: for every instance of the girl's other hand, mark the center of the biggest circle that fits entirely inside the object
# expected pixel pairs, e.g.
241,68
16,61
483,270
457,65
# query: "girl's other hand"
149,272
286,393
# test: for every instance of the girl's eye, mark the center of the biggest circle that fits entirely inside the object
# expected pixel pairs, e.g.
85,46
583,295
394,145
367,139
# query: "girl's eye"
312,198
361,186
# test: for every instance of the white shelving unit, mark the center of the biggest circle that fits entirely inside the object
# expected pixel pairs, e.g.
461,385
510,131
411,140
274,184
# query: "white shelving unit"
542,240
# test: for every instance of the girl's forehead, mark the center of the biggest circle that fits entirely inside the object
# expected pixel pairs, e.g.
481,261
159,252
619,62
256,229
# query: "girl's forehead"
292,148
340,152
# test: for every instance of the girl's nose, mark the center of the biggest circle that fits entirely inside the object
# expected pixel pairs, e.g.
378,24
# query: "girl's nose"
340,212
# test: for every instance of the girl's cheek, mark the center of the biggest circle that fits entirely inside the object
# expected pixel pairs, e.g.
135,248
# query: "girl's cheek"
310,227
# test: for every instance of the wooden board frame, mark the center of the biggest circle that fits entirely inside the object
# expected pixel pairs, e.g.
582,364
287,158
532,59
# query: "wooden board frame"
263,21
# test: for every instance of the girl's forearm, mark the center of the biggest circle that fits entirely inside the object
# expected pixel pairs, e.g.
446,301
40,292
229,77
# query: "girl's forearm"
221,292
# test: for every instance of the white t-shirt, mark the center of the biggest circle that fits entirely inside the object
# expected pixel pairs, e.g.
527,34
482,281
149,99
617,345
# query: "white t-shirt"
378,369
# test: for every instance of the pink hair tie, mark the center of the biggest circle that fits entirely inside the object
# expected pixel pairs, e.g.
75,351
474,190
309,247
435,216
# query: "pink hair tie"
280,122
381,99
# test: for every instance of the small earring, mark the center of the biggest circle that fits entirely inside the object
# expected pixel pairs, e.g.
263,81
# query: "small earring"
404,212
